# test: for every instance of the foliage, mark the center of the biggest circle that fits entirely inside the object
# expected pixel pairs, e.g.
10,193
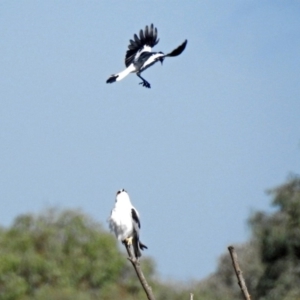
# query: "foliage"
278,235
57,253
66,255
270,260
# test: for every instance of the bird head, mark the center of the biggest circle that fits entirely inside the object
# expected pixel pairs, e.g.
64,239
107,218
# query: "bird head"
120,191
122,196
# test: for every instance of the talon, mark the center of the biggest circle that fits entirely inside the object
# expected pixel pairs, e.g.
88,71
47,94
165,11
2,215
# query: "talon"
145,84
128,241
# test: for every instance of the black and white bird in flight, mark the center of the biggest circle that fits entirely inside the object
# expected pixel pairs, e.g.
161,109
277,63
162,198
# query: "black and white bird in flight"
139,56
124,221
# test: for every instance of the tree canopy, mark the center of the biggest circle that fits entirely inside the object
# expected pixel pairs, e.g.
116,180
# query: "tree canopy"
65,255
62,255
271,259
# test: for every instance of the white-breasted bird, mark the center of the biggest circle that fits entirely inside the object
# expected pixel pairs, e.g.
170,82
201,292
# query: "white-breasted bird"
139,56
124,221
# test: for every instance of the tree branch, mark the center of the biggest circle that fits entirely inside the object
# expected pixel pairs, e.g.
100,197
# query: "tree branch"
238,272
136,264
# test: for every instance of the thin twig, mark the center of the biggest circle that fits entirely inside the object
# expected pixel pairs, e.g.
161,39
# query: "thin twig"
238,272
136,264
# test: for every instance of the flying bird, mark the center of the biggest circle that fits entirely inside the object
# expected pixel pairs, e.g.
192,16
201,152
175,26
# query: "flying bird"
139,56
124,221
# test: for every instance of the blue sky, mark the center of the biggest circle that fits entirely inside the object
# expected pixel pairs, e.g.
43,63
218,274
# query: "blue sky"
196,152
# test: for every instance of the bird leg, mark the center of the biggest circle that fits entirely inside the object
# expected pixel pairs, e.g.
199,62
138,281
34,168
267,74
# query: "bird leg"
128,241
144,82
129,247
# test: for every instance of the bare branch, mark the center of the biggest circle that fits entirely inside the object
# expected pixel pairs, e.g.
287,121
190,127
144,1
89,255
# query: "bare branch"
238,272
136,264
191,296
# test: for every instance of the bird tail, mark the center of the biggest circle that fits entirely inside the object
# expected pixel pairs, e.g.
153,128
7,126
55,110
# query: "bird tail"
121,75
137,246
142,246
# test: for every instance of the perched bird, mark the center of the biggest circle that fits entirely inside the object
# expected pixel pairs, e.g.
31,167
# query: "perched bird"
124,221
139,56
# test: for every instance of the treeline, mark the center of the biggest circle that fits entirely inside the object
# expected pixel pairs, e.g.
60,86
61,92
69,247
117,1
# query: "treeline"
270,261
65,255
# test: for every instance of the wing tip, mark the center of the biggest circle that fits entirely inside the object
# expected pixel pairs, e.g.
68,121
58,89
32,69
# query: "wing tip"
177,51
112,78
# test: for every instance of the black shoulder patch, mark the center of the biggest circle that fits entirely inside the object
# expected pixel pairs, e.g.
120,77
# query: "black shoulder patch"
135,217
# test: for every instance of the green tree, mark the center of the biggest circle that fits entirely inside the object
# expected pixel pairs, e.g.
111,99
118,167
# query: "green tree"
271,259
278,235
64,251
65,255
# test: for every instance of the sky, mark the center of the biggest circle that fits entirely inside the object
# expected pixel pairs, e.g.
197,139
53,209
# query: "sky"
196,152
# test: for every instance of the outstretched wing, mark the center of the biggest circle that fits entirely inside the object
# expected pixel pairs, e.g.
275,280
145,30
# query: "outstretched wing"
178,50
147,39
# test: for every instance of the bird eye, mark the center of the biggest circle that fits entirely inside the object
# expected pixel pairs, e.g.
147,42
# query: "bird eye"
120,191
